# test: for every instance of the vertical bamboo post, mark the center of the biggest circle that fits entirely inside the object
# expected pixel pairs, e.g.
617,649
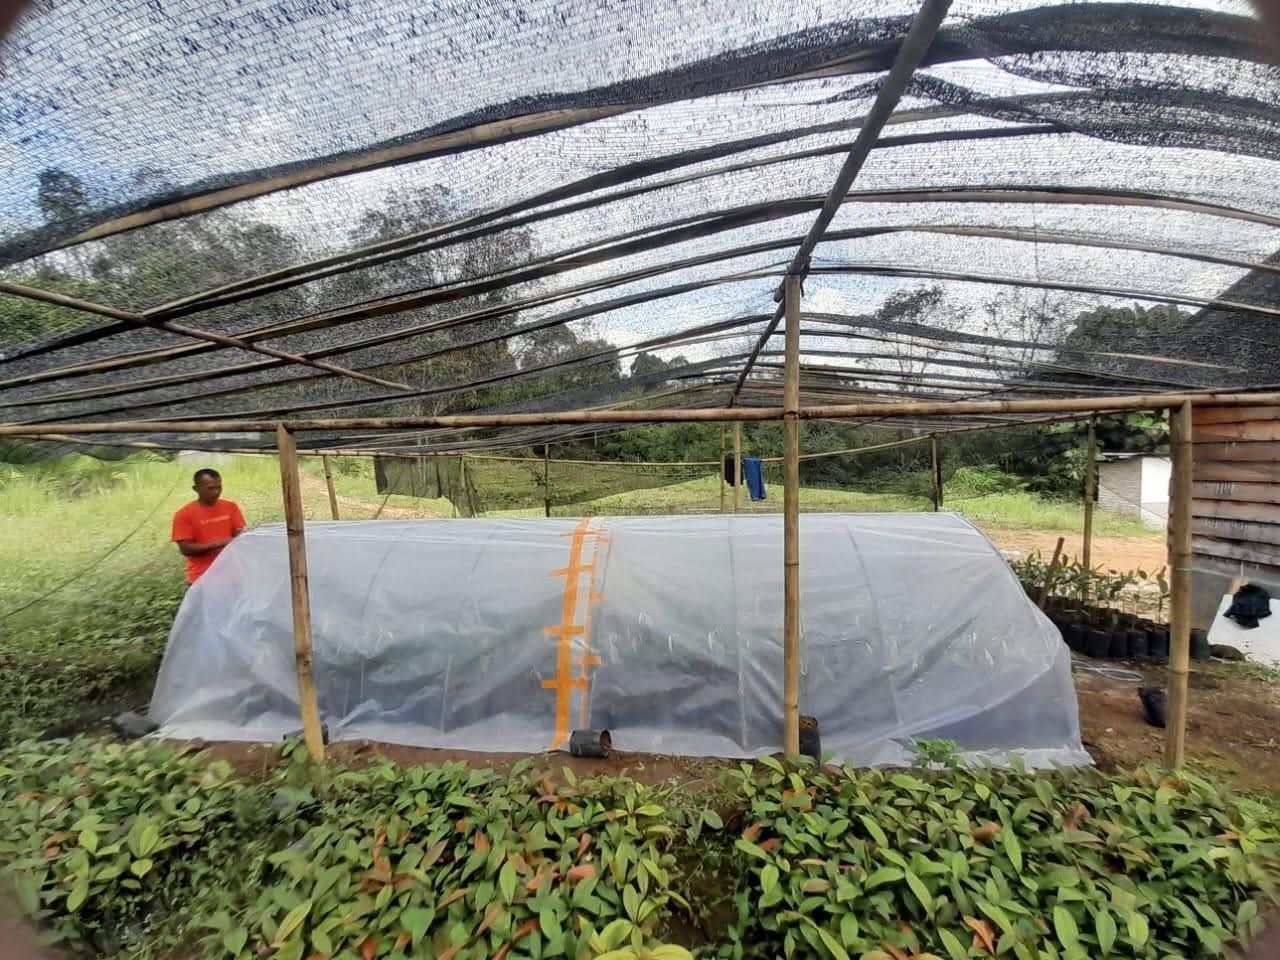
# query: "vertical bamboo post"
1175,744
935,469
1090,491
723,443
737,463
546,480
328,481
791,522
299,593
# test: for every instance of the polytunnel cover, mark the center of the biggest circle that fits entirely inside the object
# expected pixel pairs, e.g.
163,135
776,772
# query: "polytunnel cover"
486,634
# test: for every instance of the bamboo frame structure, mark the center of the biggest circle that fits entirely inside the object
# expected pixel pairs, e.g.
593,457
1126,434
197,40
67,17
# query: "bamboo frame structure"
299,593
791,524
328,482
723,443
1181,451
217,339
737,466
1180,541
915,45
1090,492
879,410
546,480
935,472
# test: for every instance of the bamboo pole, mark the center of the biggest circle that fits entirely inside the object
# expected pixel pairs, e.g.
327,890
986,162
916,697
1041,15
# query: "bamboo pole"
328,482
1180,449
879,409
221,340
919,38
293,519
433,454
1051,573
546,480
723,444
791,524
737,465
935,471
466,510
1090,491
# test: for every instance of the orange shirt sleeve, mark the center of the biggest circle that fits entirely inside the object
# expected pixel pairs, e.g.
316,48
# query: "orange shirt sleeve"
237,518
183,529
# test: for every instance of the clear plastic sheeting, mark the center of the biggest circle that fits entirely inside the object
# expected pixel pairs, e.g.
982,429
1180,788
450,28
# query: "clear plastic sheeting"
504,635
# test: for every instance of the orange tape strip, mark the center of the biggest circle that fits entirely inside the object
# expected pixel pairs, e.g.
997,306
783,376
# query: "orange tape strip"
564,683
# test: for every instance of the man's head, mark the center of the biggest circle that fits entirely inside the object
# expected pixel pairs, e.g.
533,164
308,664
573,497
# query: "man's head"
208,486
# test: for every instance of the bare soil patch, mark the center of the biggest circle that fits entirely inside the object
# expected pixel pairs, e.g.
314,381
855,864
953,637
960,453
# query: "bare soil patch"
1110,553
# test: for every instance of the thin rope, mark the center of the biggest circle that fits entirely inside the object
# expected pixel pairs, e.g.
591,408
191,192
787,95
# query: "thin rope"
80,573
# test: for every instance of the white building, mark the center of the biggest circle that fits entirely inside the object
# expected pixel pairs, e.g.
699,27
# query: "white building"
1136,484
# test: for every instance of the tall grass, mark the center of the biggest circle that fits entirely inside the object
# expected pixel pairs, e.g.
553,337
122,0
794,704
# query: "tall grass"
94,536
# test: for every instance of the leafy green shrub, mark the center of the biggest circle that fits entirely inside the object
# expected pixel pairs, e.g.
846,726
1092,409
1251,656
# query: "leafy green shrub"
459,863
1064,866
980,481
102,840
64,664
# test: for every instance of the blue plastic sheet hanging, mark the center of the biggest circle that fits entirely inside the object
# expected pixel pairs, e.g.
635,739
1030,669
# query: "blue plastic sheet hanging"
753,476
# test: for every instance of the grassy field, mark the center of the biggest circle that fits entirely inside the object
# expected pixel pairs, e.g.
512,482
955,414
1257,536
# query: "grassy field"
500,483
94,537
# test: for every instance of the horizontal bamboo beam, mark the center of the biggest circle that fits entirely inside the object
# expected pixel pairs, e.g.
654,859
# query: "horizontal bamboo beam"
430,454
881,410
85,306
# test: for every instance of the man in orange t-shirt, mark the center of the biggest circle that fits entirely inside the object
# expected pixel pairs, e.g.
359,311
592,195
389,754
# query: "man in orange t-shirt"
202,528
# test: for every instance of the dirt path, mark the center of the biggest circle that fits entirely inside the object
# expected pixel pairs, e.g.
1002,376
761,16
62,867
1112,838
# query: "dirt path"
1112,553
354,508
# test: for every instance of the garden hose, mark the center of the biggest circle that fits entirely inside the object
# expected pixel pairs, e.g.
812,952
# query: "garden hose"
1115,674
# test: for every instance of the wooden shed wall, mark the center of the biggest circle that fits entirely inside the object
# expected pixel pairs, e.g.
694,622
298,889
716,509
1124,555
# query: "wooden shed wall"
1235,510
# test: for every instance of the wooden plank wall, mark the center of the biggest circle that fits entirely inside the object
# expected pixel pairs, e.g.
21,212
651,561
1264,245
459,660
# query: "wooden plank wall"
1235,510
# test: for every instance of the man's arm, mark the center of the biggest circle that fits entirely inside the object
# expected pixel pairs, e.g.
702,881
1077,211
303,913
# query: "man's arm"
189,548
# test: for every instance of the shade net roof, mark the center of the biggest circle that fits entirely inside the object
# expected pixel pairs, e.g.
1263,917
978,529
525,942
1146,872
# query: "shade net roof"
494,207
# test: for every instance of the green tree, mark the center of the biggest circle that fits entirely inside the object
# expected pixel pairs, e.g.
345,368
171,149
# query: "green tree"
61,196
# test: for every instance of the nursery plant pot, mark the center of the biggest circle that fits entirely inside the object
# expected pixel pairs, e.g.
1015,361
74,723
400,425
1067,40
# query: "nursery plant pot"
810,738
1158,645
1073,633
1119,649
1098,643
590,743
1139,646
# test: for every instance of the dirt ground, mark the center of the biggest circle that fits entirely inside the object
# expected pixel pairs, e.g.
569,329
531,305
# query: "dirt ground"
1233,722
1111,553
